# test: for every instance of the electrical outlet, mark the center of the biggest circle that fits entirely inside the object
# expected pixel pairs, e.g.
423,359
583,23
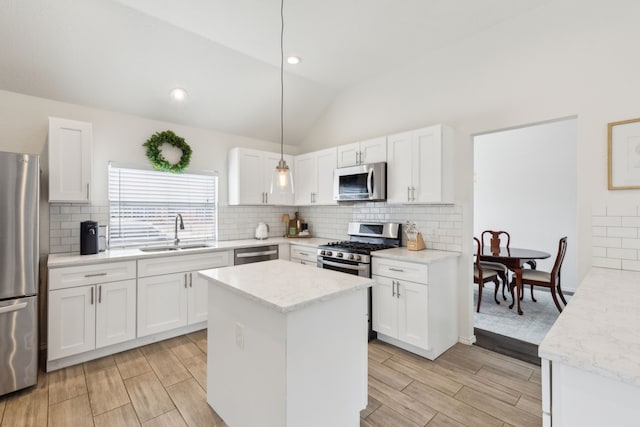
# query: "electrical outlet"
240,336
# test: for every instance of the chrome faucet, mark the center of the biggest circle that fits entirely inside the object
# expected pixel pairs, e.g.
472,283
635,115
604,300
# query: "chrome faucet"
175,237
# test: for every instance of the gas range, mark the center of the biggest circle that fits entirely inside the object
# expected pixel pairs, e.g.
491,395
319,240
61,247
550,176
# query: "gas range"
355,251
365,238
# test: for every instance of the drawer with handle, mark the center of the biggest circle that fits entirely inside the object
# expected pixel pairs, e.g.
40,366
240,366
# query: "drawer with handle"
401,270
304,253
69,277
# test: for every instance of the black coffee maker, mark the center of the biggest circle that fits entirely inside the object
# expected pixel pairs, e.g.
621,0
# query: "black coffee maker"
89,243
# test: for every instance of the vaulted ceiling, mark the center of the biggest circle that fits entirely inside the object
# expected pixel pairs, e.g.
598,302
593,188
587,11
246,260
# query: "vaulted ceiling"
126,55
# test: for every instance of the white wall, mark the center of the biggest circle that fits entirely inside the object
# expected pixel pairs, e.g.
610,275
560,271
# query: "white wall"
525,183
565,58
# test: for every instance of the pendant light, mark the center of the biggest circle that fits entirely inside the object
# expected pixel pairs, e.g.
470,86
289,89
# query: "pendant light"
282,180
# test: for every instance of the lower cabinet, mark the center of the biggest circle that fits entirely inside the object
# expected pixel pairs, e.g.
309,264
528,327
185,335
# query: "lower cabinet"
88,317
170,292
304,255
399,310
171,301
414,304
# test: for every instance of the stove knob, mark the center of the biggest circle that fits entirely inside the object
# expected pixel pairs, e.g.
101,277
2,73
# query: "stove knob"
358,258
339,254
329,253
351,256
322,252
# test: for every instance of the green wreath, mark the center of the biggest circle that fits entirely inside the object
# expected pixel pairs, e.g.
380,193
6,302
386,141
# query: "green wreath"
154,154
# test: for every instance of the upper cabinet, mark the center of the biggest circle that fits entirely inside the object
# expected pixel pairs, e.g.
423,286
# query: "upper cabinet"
420,166
313,177
250,173
69,160
363,152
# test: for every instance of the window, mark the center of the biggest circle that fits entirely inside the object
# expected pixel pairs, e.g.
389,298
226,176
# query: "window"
144,204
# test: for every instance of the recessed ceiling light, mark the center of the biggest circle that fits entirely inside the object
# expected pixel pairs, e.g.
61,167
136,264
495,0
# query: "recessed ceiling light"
178,94
293,60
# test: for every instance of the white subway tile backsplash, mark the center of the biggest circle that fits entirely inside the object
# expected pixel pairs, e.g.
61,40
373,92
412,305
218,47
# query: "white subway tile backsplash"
631,265
607,242
615,237
622,253
631,243
630,221
627,232
607,263
606,221
239,222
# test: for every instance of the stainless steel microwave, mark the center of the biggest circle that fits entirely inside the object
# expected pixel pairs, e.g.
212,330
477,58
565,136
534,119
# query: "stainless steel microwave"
364,182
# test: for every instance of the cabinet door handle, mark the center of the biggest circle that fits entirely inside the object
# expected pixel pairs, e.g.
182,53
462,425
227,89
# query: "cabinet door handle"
95,274
266,198
191,280
398,289
92,295
396,269
393,288
185,280
413,194
99,294
408,194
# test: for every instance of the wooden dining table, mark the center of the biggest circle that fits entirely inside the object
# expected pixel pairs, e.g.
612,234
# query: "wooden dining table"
513,259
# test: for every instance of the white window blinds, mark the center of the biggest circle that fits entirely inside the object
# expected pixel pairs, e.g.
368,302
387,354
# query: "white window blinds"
143,205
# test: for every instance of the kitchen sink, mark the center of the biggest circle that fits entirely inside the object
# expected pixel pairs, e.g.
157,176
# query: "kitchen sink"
173,248
195,246
160,249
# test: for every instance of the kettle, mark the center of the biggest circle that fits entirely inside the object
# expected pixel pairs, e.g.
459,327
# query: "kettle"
262,231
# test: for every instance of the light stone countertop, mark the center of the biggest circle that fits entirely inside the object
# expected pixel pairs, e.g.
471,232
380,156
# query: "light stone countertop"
283,285
118,254
111,255
599,330
425,256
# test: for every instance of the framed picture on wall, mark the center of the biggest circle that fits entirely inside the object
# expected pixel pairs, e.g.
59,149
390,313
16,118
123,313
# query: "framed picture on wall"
624,155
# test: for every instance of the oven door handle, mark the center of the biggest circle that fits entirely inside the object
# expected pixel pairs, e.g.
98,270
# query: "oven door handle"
347,266
370,183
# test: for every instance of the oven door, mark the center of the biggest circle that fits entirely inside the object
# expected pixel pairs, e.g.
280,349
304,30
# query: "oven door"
349,267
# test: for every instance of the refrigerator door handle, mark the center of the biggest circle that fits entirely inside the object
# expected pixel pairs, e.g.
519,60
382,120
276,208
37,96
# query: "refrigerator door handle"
14,307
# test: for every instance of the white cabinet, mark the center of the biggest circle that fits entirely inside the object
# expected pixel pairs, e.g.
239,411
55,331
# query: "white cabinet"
420,166
414,305
88,311
363,152
314,177
170,292
304,255
250,174
69,160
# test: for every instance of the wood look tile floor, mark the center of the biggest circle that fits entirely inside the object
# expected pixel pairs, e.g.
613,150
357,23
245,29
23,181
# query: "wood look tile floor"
163,384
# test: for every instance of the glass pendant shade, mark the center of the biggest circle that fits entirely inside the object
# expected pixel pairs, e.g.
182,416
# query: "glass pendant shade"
282,179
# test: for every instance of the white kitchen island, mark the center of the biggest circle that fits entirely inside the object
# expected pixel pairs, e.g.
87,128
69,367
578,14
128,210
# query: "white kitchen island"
591,355
287,345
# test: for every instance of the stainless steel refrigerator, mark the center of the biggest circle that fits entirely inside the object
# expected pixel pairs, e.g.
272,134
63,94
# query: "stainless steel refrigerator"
19,224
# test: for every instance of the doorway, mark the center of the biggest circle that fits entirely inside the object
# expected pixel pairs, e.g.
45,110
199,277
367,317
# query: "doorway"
525,182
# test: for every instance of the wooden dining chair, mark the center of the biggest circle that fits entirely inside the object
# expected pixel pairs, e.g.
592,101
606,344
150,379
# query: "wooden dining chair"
481,277
493,239
545,279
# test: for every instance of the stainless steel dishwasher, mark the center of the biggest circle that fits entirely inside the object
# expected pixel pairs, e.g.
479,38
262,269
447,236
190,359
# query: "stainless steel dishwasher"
255,254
